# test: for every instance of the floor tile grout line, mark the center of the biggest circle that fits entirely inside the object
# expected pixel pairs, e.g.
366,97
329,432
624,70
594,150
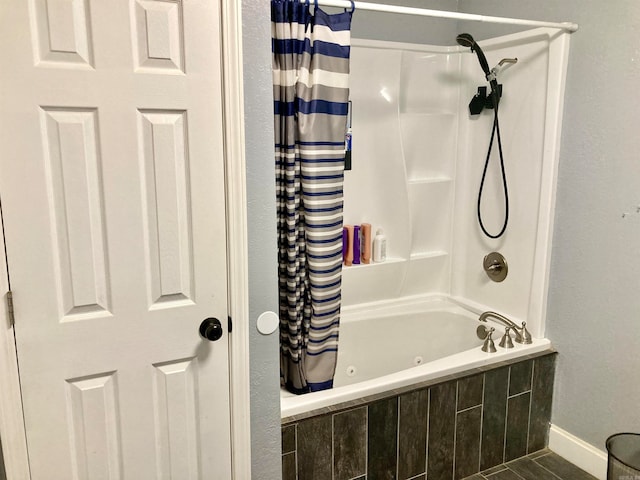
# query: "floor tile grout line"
541,454
542,466
489,477
516,474
492,470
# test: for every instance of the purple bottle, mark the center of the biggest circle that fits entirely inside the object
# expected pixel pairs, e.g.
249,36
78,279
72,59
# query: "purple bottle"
356,244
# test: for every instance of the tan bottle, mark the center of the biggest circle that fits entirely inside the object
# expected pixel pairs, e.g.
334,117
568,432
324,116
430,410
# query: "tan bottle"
348,256
366,242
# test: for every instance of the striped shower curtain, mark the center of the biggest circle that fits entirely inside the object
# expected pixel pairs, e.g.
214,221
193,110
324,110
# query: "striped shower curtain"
310,85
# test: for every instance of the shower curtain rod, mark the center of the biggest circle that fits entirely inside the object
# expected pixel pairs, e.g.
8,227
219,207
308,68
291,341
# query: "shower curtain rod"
423,12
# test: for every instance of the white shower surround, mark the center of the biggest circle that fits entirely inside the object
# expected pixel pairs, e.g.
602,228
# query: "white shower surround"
417,163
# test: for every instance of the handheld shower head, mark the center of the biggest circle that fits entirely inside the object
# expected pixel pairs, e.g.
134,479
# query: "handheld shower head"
466,40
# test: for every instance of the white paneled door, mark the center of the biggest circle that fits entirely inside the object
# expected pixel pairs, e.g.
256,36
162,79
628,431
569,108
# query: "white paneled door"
113,196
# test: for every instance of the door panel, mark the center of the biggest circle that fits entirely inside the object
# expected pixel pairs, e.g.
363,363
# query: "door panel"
166,207
73,169
94,426
112,184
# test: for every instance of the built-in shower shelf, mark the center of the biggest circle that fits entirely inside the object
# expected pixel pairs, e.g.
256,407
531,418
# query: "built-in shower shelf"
431,254
427,180
372,264
428,113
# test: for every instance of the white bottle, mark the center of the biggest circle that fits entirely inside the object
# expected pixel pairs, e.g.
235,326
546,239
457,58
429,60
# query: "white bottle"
379,247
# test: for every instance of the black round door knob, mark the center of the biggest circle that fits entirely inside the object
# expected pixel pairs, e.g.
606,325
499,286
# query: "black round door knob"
211,329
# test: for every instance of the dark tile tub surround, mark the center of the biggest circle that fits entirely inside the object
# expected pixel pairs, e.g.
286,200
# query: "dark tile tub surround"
382,439
412,432
459,427
349,434
494,417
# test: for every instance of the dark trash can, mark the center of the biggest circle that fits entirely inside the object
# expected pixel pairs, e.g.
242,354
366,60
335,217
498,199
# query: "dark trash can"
624,456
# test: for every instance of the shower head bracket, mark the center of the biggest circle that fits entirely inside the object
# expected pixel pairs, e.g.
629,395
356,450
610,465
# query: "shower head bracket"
481,100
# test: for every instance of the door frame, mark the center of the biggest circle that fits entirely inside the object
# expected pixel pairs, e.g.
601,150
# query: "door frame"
237,237
12,429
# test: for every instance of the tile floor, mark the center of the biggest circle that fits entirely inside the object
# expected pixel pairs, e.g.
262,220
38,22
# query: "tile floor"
542,465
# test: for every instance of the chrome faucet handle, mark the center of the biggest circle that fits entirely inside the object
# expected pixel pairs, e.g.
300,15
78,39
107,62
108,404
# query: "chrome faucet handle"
518,335
525,336
485,333
506,342
488,345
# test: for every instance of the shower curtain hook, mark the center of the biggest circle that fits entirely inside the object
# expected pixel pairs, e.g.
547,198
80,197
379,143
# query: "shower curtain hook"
312,15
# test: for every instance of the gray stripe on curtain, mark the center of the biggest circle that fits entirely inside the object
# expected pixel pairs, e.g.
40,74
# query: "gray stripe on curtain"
310,74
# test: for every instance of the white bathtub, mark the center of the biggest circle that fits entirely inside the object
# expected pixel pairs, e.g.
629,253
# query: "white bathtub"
394,346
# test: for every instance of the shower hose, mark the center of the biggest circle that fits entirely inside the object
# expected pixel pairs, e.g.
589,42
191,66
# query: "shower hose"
495,132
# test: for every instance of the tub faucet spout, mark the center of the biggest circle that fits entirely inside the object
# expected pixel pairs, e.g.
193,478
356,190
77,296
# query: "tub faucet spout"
522,334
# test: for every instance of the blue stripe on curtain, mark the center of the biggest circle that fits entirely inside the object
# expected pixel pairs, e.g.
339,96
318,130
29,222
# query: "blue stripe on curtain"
290,12
321,177
299,47
314,106
314,387
330,209
322,352
321,272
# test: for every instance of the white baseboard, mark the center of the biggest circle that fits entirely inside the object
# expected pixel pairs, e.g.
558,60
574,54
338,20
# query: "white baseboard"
578,452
